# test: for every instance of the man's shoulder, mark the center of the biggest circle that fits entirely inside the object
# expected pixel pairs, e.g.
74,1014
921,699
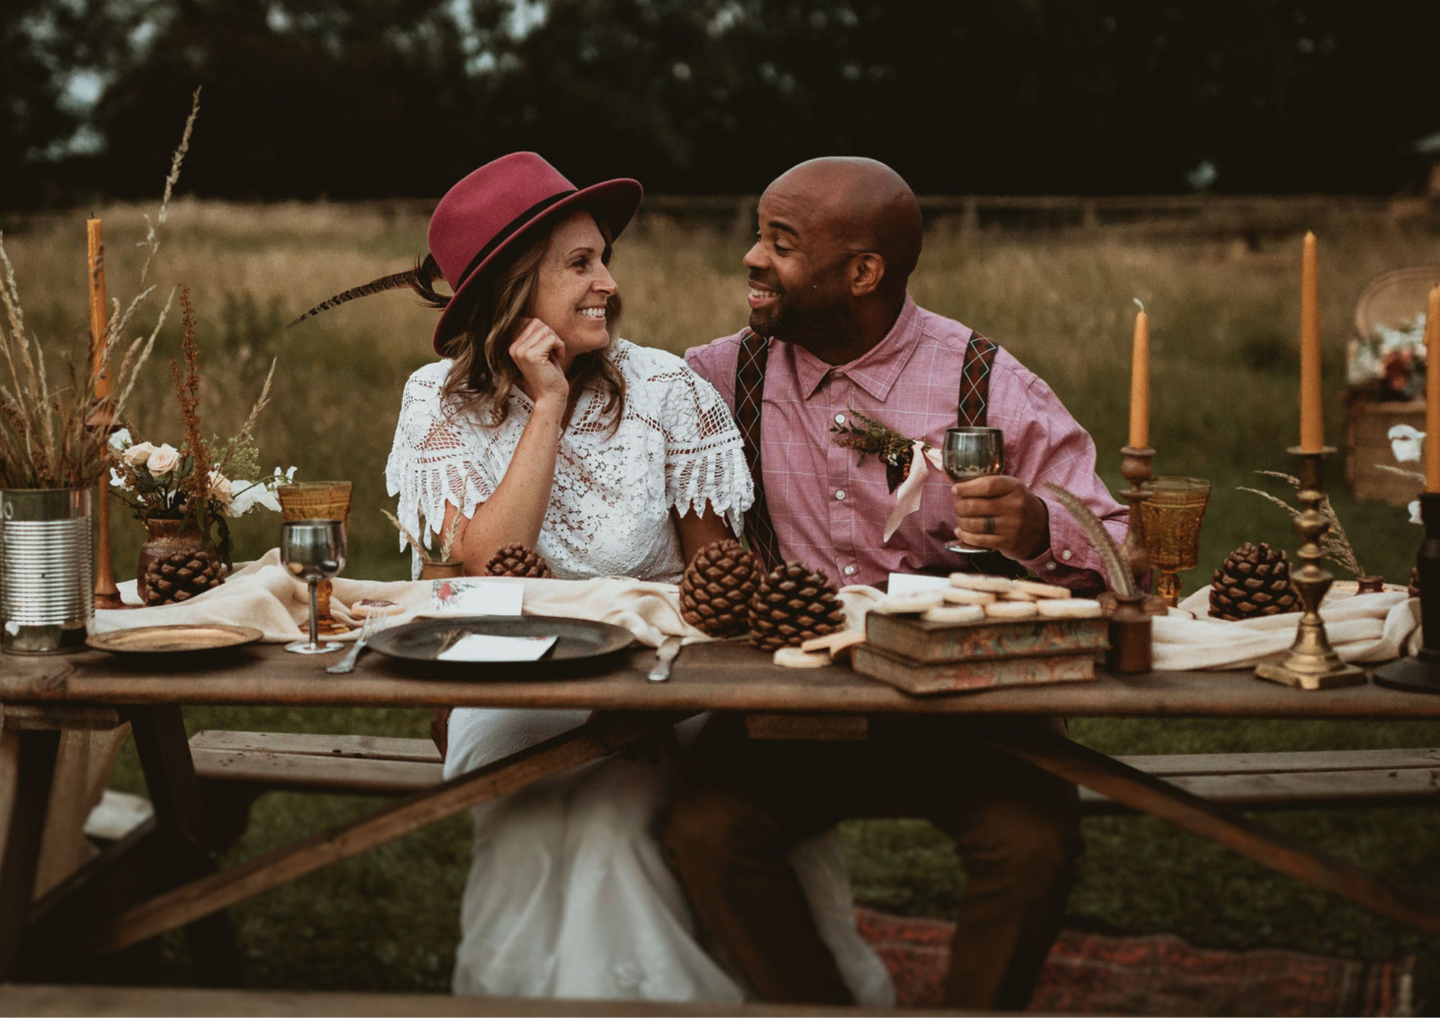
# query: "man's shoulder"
946,335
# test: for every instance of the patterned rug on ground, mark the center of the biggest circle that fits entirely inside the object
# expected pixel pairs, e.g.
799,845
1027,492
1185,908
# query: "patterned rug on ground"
1158,974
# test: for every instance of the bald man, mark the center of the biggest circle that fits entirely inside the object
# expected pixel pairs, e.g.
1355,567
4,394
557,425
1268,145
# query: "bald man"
833,332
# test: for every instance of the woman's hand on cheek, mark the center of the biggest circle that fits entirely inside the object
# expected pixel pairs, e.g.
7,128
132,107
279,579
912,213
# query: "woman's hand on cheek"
537,352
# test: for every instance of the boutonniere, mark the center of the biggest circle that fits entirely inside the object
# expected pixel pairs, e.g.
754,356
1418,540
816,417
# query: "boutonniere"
904,458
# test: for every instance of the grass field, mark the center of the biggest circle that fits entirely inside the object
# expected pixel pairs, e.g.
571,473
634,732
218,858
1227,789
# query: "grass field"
1224,322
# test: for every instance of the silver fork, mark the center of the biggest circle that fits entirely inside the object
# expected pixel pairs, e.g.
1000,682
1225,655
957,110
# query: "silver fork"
372,625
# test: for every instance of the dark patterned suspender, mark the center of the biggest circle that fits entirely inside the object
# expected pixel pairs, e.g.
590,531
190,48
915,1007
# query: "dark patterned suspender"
749,401
974,412
975,382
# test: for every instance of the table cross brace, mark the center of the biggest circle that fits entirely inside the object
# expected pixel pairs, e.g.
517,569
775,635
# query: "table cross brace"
1226,827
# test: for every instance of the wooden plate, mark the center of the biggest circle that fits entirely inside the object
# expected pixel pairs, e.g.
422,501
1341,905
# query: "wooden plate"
581,645
195,639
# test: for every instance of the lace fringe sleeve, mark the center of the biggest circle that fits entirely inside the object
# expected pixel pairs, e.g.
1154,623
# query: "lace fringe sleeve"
704,456
437,457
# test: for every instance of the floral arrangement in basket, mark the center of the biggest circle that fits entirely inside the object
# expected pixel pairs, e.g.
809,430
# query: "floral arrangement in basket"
1389,363
203,481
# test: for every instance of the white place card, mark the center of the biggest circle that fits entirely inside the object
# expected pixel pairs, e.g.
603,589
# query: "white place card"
476,597
913,583
484,647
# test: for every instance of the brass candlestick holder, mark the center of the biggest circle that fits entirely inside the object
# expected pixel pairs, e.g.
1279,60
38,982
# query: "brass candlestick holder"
1421,673
1311,662
1135,468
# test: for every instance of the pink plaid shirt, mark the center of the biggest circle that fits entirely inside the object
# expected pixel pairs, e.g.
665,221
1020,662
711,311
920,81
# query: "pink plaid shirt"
829,512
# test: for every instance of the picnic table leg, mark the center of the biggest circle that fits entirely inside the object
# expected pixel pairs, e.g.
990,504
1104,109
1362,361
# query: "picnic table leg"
159,732
27,768
1227,827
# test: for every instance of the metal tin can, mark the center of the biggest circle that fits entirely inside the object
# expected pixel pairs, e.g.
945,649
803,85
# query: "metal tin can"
47,600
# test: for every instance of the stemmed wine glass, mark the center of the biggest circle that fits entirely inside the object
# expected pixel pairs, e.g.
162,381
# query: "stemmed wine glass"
971,453
318,500
313,550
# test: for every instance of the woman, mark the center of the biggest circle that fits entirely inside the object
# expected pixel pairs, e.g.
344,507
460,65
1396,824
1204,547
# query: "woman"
609,459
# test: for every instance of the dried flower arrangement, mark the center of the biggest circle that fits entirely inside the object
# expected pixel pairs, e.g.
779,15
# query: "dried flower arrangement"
884,442
199,481
1335,545
54,433
447,540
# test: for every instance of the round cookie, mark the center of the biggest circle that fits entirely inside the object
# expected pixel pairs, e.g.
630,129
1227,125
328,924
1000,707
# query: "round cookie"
910,604
961,595
1009,611
1039,590
1070,608
955,613
978,581
794,657
374,606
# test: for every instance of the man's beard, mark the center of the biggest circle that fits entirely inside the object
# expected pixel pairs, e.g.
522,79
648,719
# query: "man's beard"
812,327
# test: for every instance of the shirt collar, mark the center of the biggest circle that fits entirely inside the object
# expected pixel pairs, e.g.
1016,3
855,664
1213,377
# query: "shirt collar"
876,370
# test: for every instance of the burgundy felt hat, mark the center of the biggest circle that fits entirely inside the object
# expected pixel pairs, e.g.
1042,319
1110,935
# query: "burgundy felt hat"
498,205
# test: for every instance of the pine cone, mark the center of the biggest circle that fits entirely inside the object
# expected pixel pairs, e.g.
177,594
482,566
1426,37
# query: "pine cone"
716,589
180,576
1251,582
518,560
793,604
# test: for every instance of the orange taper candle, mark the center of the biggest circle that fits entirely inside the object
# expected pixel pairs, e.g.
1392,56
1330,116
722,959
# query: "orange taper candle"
1140,384
1432,392
97,308
1312,422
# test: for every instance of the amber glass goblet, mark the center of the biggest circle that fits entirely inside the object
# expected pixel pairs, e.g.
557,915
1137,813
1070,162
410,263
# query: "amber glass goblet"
318,500
1171,519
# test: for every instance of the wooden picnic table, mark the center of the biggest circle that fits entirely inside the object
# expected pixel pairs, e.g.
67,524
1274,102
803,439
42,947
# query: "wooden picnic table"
40,696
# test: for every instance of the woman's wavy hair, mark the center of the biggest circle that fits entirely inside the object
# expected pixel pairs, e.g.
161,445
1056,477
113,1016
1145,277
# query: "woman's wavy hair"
483,375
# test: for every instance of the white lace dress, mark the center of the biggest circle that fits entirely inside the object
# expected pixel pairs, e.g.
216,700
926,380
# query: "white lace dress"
569,893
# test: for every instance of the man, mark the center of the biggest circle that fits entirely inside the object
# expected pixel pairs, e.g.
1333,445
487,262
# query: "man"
832,333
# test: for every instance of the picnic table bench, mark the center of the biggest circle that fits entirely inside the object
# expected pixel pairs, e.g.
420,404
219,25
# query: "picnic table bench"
41,696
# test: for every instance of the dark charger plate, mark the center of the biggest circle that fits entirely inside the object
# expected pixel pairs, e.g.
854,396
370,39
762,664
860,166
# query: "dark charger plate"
582,646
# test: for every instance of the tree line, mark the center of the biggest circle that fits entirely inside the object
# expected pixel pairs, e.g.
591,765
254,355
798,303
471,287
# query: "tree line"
380,98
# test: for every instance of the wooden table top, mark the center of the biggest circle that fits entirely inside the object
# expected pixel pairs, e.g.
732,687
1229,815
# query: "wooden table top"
716,676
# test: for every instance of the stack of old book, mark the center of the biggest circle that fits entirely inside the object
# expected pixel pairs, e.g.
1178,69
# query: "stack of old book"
982,632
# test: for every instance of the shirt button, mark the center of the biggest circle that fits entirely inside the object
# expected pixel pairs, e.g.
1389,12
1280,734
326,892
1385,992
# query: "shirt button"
839,418
840,495
849,570
1065,554
1050,565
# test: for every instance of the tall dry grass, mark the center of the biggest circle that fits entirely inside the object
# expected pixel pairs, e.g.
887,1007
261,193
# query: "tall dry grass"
1224,321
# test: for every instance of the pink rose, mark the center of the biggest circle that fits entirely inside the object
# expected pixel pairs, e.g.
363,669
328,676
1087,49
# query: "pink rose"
138,455
163,460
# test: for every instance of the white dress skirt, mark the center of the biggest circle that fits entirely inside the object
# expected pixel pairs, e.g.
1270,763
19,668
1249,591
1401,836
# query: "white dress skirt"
569,893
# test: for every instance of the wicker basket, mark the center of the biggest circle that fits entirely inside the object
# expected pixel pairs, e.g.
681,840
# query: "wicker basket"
1394,299
315,500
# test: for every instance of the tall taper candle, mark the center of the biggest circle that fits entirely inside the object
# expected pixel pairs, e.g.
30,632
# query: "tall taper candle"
1140,384
1312,422
97,307
1432,392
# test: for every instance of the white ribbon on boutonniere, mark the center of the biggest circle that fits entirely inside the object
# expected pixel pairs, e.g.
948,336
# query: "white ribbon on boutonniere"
907,495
